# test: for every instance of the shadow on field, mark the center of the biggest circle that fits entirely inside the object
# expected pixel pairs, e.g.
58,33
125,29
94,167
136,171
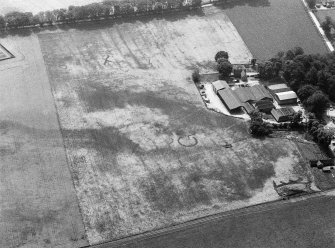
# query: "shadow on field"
251,3
94,24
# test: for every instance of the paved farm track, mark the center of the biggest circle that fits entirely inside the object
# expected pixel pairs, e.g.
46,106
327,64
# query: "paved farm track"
270,26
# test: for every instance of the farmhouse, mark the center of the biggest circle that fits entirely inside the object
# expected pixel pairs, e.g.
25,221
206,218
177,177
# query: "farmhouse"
219,85
282,114
287,97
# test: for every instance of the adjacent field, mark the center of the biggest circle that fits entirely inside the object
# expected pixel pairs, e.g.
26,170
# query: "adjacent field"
270,26
144,151
38,206
37,6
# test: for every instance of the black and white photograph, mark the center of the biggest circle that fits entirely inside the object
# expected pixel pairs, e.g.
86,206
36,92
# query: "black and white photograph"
167,124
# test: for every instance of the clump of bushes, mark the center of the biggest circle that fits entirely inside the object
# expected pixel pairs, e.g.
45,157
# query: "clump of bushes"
257,126
196,76
317,130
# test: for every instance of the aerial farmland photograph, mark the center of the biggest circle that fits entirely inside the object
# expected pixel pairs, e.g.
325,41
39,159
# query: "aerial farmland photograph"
167,124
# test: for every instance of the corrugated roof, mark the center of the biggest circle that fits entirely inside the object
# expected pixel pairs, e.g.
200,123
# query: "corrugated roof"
281,90
260,92
244,94
282,112
254,93
220,84
264,105
230,99
286,95
277,86
248,107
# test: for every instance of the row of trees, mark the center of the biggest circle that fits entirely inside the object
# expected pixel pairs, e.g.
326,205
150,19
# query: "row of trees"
93,11
311,76
224,66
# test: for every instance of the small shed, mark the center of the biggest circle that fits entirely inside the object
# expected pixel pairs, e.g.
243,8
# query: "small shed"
219,85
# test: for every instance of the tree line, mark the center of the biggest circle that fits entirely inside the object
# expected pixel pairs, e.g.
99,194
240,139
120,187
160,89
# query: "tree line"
106,9
311,76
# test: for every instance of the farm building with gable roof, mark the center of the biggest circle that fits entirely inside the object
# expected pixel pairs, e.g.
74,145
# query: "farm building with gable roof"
229,99
277,88
253,94
287,97
282,114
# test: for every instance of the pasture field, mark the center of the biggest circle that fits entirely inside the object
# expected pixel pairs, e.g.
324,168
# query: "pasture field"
144,151
38,206
270,26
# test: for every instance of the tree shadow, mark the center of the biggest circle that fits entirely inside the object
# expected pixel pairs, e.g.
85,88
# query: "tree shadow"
250,3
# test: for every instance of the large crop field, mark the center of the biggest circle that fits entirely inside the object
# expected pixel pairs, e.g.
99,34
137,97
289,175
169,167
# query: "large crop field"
144,151
270,26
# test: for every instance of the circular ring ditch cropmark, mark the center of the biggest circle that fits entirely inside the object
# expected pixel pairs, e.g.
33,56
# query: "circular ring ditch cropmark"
188,141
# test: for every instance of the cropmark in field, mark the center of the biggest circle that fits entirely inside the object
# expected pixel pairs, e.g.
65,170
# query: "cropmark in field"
144,151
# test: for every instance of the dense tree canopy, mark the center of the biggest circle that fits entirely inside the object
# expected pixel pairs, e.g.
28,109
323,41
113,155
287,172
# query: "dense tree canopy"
312,76
257,126
225,68
221,54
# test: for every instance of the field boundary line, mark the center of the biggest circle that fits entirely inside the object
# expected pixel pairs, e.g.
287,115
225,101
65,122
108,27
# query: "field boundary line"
64,146
317,24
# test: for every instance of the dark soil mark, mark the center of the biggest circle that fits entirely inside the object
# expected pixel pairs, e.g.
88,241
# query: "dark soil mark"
99,98
104,139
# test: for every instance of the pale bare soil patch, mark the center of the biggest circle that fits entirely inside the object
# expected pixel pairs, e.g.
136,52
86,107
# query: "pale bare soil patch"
144,151
38,206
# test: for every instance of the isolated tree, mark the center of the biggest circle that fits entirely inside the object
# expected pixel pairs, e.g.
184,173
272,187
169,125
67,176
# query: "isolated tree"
221,54
225,68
